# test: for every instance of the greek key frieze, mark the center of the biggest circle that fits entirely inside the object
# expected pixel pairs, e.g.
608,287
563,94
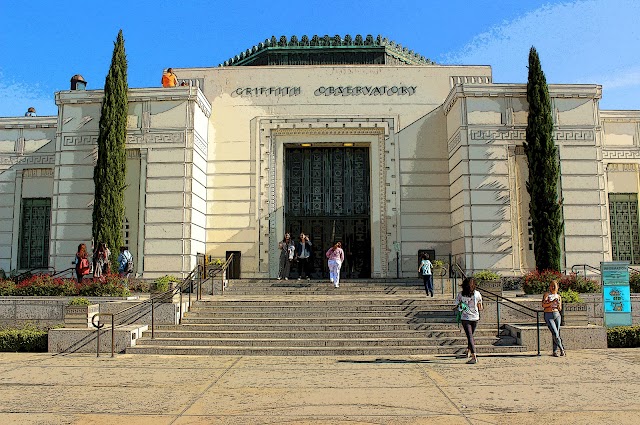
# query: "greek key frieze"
574,135
559,135
621,154
498,134
30,159
79,140
152,138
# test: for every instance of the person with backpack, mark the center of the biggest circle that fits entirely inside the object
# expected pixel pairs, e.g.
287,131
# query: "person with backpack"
125,262
83,267
469,305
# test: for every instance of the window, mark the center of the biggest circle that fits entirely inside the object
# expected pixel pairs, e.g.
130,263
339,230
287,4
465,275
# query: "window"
623,217
35,225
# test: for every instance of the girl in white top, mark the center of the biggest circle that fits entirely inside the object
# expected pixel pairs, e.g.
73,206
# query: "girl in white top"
470,314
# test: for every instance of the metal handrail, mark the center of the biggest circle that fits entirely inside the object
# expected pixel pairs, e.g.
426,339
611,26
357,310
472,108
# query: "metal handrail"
575,268
194,276
27,273
499,298
70,269
595,269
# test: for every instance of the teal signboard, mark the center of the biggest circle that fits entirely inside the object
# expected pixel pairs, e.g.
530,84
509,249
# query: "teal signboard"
616,294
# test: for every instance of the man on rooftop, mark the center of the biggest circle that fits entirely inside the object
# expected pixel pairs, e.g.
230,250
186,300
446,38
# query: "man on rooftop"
169,79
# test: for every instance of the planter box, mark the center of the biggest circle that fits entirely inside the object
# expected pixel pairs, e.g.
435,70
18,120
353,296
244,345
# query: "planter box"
494,286
80,316
166,298
574,314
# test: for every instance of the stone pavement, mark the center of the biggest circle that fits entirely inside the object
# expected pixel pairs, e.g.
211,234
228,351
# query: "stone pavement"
586,387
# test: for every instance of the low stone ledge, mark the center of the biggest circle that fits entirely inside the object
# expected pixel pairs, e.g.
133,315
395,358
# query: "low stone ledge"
74,340
573,337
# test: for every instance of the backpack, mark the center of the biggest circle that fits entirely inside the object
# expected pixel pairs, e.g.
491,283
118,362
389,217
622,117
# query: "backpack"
84,267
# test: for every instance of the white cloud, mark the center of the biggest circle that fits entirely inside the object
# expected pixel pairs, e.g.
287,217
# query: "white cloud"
585,41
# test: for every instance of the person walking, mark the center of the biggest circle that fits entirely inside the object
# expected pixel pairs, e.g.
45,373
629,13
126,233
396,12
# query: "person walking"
287,252
335,258
304,253
125,262
81,262
101,260
426,269
552,304
469,303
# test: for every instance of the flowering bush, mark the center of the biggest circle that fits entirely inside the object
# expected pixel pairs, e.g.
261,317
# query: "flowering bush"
45,285
536,282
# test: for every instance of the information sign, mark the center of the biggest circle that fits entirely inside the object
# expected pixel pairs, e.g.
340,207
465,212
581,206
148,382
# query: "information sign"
616,294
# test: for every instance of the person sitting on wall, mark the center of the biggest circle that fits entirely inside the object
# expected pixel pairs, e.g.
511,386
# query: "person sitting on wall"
31,112
169,79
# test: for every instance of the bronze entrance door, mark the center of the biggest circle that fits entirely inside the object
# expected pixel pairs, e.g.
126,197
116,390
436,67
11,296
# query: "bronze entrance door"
327,196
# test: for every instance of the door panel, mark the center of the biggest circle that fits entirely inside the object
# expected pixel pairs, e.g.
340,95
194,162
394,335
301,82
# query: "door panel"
327,196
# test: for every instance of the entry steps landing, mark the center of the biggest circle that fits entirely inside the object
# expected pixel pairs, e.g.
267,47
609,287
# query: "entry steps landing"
356,319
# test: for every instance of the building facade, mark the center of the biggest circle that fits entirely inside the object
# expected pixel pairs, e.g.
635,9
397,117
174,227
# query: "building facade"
353,140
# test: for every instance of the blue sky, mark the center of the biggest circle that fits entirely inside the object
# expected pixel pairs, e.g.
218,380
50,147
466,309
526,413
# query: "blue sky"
45,42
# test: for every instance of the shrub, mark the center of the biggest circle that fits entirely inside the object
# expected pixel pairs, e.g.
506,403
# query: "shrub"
45,285
139,285
3,275
79,301
486,275
623,337
634,282
579,284
536,282
570,296
161,284
27,339
7,287
110,285
438,264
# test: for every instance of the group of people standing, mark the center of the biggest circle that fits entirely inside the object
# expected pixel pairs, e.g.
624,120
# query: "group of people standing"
100,262
301,254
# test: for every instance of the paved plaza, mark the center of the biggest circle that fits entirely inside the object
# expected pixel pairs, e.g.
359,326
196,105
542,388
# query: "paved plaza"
586,387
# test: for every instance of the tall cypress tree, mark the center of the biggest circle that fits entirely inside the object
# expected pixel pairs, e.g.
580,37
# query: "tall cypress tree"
110,171
544,170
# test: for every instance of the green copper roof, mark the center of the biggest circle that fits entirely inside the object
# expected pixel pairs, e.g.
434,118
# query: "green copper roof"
327,50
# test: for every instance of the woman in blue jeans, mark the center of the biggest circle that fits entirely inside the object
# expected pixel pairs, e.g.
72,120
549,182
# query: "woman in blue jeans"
552,304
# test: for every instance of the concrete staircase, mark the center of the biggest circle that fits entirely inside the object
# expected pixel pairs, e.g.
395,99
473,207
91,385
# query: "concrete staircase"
268,317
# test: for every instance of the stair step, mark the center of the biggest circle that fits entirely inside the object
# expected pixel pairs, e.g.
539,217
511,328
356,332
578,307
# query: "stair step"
313,342
318,351
180,332
239,314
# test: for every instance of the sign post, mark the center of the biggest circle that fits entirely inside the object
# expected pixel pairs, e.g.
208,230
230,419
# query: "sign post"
616,293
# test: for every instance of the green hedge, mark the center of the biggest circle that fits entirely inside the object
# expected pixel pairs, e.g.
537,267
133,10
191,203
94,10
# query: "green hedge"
623,337
24,340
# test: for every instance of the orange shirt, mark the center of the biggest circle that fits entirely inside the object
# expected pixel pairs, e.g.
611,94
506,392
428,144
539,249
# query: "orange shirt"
169,80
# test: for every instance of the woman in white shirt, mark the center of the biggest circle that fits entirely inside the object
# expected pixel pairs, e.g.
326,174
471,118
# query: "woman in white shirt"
552,304
469,302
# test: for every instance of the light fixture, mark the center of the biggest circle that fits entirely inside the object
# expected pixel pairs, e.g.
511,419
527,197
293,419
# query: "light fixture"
347,144
306,145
